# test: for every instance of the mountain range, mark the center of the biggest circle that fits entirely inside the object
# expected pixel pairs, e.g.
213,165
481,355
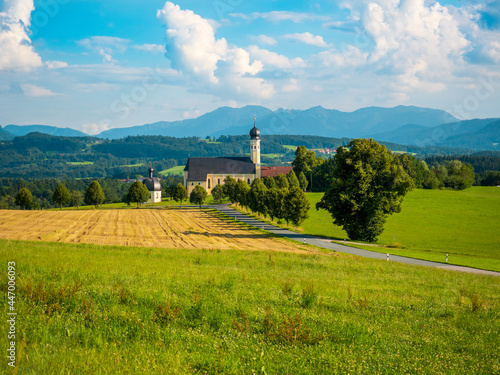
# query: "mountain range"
314,121
402,124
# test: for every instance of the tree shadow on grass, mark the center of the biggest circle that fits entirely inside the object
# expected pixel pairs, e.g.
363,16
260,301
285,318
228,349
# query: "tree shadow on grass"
229,235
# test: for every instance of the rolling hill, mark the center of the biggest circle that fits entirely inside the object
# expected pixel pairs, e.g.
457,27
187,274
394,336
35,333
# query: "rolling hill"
18,130
5,135
476,134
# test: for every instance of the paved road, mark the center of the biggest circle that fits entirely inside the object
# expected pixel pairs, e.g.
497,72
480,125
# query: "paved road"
327,244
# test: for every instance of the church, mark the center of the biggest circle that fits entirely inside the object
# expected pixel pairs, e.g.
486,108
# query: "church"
154,187
209,172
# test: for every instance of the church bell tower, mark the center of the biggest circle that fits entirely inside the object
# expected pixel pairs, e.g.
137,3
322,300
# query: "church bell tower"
255,147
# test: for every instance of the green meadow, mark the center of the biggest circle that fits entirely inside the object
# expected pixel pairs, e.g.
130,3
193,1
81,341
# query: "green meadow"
178,170
132,165
80,163
87,309
433,223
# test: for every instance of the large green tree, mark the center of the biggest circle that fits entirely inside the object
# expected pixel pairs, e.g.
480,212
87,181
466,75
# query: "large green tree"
94,195
491,179
275,203
230,189
198,195
269,182
180,194
460,176
305,160
241,193
257,197
218,193
322,175
369,184
303,181
61,195
76,198
296,206
293,181
138,193
281,181
24,198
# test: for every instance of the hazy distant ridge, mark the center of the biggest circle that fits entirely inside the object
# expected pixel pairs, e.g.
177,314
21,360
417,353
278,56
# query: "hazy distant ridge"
314,121
403,125
18,130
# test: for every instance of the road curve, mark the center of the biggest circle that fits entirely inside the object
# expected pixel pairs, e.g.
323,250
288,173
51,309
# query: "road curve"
328,244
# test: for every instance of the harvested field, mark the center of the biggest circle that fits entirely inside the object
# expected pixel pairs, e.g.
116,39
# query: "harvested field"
181,229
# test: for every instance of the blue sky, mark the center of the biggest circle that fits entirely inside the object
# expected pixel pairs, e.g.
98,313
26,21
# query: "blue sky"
94,65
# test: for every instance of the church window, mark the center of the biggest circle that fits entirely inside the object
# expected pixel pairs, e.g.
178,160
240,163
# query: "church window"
248,181
208,183
218,181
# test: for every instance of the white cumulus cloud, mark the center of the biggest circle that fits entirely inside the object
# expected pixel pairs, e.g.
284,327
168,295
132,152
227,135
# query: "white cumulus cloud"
194,50
265,40
419,42
16,51
308,38
281,15
150,48
274,59
95,128
36,91
56,64
106,46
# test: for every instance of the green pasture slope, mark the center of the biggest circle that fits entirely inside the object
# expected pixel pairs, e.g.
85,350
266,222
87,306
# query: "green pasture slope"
178,170
88,309
433,223
81,163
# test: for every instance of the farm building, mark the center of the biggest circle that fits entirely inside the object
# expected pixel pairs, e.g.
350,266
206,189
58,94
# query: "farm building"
153,186
208,172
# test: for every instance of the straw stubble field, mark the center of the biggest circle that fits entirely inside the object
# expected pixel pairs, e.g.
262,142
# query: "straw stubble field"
174,229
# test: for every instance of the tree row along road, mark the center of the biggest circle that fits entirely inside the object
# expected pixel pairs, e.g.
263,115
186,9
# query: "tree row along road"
328,244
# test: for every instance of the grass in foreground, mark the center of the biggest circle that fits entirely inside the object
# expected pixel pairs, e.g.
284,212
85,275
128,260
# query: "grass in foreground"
95,309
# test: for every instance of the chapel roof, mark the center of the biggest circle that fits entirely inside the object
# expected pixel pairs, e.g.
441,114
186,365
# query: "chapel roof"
152,183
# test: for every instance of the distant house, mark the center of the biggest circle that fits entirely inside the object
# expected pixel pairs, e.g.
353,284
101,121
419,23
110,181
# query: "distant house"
209,172
153,186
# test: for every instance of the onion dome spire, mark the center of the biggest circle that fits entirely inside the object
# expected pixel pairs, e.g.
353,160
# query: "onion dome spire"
254,133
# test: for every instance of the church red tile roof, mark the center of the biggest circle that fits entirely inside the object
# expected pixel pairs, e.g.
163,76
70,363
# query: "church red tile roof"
274,171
